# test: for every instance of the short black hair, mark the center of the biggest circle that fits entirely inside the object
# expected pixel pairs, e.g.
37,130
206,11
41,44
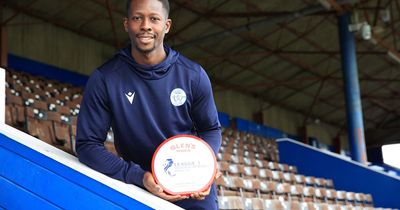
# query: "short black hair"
165,4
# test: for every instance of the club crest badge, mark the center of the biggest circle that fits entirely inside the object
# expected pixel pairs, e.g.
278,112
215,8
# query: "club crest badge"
178,97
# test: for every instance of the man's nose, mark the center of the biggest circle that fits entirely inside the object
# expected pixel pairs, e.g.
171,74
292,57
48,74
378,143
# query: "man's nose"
145,26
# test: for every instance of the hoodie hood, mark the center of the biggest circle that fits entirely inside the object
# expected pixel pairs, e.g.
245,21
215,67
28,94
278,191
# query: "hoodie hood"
157,71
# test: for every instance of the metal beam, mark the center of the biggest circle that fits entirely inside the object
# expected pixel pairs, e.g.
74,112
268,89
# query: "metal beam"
110,16
262,45
249,91
355,125
336,6
197,19
307,116
270,52
376,13
58,23
60,10
259,23
3,39
17,12
260,14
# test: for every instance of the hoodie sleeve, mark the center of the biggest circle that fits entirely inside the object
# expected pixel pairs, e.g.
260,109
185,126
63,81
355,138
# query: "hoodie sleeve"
93,124
204,112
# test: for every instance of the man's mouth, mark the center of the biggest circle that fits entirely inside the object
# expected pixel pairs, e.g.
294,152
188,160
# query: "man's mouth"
145,38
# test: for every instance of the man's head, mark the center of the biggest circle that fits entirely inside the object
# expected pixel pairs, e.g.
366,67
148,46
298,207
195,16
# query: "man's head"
147,23
165,4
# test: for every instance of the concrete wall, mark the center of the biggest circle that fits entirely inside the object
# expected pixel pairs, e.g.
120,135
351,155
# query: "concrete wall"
242,106
32,38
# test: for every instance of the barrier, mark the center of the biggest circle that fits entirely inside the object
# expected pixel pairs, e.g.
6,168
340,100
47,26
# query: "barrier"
347,175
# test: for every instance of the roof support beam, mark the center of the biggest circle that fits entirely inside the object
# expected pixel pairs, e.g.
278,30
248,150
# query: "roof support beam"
58,23
336,6
197,19
262,45
317,94
260,14
17,12
264,22
270,52
116,42
378,3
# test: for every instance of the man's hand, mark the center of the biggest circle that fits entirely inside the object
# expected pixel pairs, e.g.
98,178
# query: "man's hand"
151,186
202,195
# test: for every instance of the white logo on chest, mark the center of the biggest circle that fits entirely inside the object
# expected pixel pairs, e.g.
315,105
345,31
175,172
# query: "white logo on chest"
130,96
178,97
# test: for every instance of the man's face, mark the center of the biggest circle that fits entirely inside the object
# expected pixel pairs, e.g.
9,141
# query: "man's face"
147,25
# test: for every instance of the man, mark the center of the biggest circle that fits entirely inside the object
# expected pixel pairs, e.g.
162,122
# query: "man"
147,93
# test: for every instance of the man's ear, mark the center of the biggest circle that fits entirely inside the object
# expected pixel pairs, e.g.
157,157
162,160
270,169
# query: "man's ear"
168,24
125,21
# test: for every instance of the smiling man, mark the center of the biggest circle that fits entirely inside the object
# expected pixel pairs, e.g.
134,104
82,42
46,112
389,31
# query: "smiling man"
147,93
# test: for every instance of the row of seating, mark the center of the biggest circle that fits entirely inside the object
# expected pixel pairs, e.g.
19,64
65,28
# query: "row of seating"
249,146
269,175
236,202
255,188
255,162
256,182
45,109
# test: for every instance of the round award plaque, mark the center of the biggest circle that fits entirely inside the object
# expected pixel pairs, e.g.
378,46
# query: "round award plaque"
184,164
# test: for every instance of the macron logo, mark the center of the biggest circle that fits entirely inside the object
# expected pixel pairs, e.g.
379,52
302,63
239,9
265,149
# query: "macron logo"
130,96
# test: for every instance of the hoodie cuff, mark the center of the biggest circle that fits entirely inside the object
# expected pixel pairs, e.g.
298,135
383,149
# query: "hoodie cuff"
135,176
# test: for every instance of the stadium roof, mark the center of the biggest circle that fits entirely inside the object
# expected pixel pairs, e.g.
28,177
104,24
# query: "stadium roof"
284,52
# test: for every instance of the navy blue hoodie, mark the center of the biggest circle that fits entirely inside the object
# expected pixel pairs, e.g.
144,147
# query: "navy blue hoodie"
145,105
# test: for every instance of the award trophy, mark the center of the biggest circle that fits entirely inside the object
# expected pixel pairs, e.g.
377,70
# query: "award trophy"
184,164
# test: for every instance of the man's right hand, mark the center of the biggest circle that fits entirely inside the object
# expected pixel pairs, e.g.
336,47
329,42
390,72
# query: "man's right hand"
153,187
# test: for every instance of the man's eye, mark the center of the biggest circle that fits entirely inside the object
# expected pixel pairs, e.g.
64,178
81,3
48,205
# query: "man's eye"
154,19
136,18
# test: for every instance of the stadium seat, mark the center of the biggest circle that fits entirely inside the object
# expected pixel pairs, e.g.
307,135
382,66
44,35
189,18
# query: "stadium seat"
289,177
42,130
331,196
368,200
275,204
63,137
309,194
296,192
359,199
236,169
265,174
9,115
253,204
350,198
341,197
277,176
250,171
310,181
320,194
230,202
267,189
282,191
224,184
300,179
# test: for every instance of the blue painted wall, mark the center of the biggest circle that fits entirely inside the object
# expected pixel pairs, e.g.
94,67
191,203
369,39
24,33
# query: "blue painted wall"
346,175
40,69
30,180
224,119
257,129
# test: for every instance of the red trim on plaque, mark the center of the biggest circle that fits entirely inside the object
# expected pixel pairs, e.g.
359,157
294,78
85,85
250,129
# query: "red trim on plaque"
169,191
